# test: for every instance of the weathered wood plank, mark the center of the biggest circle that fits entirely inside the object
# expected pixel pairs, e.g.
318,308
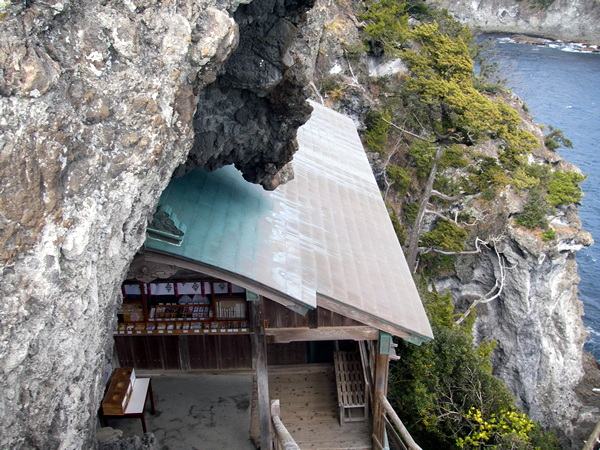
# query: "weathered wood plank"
259,354
312,414
356,333
360,316
382,364
412,445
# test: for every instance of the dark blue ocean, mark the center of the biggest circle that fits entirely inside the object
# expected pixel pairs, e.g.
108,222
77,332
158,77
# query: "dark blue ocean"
561,87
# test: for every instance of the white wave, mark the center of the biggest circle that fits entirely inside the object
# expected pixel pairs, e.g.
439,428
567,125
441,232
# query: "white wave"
593,332
506,40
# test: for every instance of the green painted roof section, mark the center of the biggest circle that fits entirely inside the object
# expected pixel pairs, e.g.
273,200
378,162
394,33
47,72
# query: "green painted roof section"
324,236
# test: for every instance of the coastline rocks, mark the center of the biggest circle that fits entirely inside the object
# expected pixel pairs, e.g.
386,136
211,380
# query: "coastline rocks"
536,317
569,20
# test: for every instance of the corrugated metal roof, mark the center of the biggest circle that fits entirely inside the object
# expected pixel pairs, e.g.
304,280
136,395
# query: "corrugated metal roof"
323,238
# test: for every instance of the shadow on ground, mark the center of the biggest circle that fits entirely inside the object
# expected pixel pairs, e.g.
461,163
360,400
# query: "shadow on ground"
197,412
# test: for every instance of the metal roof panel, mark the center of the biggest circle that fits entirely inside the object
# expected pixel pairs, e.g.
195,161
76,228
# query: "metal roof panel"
324,235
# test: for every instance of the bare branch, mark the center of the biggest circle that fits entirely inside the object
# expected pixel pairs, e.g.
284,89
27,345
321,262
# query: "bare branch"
388,184
424,250
435,213
445,197
407,132
499,285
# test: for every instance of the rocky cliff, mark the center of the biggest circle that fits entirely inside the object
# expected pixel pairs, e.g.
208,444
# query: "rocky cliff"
98,106
569,20
533,312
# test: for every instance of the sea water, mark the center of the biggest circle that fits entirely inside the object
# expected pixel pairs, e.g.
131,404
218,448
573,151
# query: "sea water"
560,84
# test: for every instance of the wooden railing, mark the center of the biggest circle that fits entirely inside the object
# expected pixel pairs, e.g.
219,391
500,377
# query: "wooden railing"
594,439
400,439
283,439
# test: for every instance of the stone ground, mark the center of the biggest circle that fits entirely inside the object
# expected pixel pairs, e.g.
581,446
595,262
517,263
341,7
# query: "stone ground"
197,412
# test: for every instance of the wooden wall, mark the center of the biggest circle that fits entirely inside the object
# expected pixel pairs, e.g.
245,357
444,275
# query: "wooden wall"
184,352
223,352
200,352
278,316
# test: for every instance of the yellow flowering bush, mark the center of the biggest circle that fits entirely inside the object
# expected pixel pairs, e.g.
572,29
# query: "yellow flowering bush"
508,427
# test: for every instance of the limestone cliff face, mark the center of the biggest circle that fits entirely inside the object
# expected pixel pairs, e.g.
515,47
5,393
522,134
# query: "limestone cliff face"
530,305
98,105
570,20
535,316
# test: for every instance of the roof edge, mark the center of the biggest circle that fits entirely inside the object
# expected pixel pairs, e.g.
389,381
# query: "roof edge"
255,286
371,320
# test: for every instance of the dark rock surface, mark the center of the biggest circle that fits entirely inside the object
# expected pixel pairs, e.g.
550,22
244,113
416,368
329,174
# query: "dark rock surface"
250,114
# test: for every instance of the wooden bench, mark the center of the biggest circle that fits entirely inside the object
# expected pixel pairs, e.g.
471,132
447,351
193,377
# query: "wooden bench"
350,387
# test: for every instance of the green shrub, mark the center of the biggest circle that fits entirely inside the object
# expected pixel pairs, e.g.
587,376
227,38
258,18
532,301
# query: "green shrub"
548,235
422,154
355,51
446,185
387,23
376,137
556,138
399,177
454,157
410,211
521,180
488,177
564,188
445,236
398,228
330,83
445,393
534,211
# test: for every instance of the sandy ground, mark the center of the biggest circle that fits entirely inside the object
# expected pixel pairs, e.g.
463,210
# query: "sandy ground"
197,412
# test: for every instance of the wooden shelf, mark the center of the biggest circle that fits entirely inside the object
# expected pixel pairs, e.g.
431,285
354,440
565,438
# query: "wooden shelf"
143,315
239,329
175,312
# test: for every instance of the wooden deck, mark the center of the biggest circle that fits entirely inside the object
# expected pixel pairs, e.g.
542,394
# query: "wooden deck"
309,409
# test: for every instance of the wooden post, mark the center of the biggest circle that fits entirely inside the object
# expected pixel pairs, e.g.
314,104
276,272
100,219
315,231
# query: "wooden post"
259,362
593,439
382,365
410,443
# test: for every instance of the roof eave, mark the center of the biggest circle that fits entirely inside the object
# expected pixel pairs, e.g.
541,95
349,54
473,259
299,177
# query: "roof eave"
411,336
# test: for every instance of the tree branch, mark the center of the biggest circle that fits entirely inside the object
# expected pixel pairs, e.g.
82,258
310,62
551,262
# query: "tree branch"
413,241
498,285
423,250
445,197
407,132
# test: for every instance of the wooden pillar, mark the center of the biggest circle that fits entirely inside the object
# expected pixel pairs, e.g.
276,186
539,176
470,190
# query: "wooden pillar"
259,362
382,364
184,352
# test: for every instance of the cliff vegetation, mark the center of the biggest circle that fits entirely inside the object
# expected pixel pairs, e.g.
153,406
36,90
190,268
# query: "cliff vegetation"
486,211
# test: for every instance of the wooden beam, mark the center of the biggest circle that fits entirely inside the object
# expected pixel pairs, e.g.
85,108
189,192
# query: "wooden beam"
354,333
312,318
360,316
590,444
259,362
285,441
184,352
